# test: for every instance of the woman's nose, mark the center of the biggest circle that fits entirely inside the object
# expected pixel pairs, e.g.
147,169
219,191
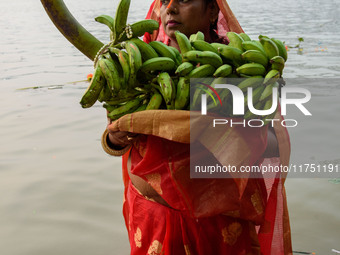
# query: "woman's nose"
172,8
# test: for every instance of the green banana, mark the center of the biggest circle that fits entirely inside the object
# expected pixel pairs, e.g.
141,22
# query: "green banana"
92,92
203,46
145,49
268,119
184,69
268,105
146,78
121,17
111,74
218,45
126,108
245,37
277,63
105,94
231,54
202,71
138,29
255,56
282,48
235,40
256,94
145,88
251,69
125,96
106,20
263,36
155,101
223,93
223,71
115,61
115,102
183,42
135,62
135,56
249,115
198,36
175,50
270,47
178,55
167,89
163,50
254,82
219,80
197,95
123,59
268,91
253,45
203,57
141,108
110,107
192,38
182,93
158,64
271,77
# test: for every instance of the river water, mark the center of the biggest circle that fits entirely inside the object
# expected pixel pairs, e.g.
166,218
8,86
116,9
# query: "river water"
61,194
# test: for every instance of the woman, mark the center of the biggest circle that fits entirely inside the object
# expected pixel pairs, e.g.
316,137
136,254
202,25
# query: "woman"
165,211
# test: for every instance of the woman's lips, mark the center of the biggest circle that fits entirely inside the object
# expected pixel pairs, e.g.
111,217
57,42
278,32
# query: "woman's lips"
172,23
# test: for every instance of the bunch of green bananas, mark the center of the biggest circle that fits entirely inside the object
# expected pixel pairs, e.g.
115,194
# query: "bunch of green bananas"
259,63
131,75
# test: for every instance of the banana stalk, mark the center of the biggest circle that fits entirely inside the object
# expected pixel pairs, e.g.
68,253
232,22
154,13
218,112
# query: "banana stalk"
71,29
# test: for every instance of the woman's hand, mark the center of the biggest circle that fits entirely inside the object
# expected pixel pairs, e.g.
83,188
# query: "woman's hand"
121,138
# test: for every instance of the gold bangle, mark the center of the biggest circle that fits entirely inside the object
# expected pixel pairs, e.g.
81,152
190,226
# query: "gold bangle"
110,150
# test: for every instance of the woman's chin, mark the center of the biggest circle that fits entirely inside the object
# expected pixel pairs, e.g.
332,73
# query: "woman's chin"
171,33
173,28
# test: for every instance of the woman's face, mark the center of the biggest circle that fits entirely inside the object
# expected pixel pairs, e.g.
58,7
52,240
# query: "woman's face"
186,16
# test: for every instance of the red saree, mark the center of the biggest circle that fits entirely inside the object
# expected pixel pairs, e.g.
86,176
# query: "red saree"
228,216
206,216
